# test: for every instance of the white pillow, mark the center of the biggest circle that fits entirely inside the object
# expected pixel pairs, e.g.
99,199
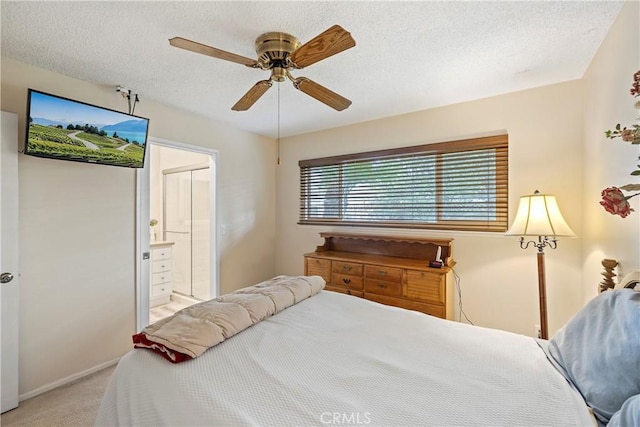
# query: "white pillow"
628,415
599,347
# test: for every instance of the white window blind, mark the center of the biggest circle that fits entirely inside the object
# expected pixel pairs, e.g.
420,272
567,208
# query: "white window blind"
456,185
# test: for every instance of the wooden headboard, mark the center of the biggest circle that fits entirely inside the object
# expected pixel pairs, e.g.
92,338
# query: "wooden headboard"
631,280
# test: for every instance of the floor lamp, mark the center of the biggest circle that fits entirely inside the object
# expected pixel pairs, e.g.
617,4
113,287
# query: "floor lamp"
539,216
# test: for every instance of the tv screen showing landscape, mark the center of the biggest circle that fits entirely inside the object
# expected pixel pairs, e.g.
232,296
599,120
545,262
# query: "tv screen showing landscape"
61,128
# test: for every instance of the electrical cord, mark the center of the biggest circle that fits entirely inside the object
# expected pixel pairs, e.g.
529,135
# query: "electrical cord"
459,291
135,101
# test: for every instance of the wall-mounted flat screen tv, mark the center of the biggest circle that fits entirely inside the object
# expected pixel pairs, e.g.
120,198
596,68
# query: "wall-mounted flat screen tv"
61,128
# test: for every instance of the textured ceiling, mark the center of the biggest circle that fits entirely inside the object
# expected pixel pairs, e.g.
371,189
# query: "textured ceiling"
409,56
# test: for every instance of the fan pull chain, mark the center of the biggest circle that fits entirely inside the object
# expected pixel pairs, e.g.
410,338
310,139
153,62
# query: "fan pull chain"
278,140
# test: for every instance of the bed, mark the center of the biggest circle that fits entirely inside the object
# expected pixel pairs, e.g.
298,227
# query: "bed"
333,359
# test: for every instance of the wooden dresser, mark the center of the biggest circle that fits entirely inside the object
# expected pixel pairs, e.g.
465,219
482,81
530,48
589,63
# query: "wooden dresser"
386,269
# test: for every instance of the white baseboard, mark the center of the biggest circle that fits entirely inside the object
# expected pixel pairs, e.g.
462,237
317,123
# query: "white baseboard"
67,380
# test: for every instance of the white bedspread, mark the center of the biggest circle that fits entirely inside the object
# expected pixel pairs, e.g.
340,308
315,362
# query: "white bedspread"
339,360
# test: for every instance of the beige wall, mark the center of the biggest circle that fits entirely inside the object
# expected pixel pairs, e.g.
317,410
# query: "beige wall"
77,296
498,279
607,162
556,146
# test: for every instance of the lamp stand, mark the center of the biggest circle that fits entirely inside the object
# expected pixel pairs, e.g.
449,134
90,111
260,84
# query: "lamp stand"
543,241
542,292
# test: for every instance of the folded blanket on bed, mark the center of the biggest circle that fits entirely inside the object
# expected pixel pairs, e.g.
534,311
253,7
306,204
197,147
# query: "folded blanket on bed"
191,331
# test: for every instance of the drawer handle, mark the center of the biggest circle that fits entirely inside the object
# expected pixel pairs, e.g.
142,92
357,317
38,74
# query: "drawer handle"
348,291
381,286
346,267
382,273
346,281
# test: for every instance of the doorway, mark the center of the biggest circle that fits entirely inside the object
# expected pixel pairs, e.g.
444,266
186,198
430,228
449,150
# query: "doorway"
177,241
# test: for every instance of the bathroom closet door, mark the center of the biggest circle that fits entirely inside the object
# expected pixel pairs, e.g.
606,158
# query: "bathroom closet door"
200,236
177,228
187,206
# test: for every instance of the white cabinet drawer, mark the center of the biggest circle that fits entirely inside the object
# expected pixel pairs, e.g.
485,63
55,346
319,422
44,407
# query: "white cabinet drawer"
160,290
160,266
161,277
160,253
158,278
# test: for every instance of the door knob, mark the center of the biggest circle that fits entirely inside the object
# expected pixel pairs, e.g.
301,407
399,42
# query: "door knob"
6,277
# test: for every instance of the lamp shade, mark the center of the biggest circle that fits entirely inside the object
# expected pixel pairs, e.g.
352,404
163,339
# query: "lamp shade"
539,215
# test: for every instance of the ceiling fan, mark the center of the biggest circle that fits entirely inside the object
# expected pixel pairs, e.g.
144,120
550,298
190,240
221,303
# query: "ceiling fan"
280,52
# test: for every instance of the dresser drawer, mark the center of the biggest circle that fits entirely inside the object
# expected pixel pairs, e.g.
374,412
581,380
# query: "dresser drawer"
159,278
318,267
346,281
350,268
431,309
383,287
160,253
160,266
358,294
426,286
160,290
379,272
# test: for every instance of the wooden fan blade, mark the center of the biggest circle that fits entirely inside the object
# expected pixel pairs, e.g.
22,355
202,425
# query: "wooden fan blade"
332,41
211,51
252,95
321,93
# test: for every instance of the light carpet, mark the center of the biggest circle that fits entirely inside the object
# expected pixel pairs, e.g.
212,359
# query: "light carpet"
74,404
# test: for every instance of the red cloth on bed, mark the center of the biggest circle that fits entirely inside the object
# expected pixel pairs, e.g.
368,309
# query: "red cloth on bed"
140,341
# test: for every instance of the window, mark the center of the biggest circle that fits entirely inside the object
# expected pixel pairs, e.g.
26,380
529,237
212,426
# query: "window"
456,185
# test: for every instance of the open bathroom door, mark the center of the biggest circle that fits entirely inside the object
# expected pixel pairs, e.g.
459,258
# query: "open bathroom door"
143,249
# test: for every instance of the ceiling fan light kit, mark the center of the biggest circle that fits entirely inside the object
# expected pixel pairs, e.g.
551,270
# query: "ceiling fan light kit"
279,53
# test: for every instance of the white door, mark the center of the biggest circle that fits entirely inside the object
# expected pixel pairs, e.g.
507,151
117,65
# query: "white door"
201,252
177,207
9,261
187,219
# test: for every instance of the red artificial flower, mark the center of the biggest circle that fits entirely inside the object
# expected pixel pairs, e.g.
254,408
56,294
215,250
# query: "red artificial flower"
615,202
627,135
635,88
